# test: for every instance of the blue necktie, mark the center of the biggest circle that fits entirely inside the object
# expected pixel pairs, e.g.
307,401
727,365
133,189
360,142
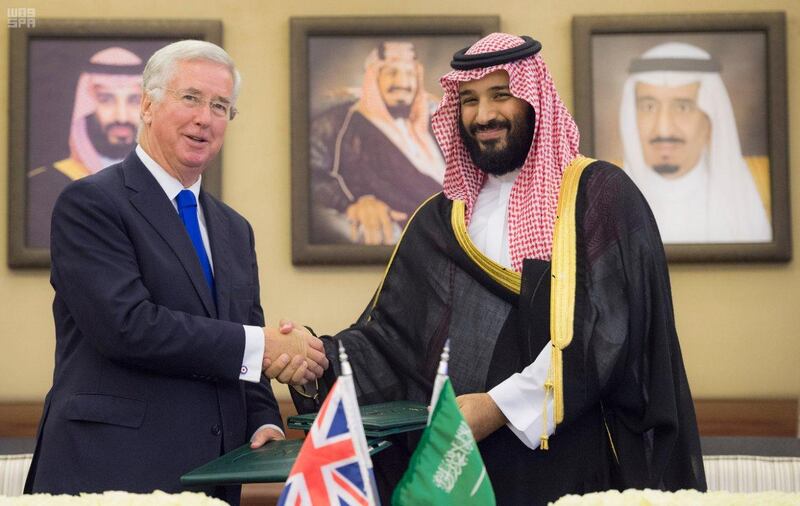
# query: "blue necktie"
187,208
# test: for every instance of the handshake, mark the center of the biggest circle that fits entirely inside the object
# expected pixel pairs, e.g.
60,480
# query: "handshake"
292,355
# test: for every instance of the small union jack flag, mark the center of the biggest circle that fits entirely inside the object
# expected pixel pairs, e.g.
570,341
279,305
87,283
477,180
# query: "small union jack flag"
333,467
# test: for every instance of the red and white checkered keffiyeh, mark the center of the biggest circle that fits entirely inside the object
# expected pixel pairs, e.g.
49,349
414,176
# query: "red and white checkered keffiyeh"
534,197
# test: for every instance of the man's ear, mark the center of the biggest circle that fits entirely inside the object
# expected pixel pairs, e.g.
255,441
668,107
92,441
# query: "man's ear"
146,109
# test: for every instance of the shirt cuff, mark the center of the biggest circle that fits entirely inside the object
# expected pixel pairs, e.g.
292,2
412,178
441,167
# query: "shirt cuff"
265,426
253,354
521,399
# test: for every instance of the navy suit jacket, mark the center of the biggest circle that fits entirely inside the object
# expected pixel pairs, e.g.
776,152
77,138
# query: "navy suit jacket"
146,384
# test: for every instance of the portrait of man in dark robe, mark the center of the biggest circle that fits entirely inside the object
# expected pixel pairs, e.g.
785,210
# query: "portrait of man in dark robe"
373,157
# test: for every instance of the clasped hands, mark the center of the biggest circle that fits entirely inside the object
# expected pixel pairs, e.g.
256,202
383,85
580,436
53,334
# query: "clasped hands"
292,355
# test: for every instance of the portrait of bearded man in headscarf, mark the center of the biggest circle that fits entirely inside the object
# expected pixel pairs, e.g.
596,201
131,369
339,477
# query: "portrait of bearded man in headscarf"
102,132
373,157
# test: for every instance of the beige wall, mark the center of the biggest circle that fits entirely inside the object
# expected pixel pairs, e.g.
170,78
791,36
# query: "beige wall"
739,324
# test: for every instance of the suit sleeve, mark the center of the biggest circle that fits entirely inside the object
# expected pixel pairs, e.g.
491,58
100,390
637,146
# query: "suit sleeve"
95,270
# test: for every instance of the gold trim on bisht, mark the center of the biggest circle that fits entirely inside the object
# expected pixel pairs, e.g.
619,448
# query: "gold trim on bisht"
562,288
512,280
73,169
394,252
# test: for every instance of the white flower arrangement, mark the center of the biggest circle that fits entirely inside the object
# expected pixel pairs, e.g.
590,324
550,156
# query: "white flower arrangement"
114,498
680,498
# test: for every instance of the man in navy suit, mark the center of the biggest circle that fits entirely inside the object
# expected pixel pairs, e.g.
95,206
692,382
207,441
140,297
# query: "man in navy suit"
159,338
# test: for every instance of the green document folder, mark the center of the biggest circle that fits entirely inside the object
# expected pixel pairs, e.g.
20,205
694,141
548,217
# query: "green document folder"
272,462
269,464
380,420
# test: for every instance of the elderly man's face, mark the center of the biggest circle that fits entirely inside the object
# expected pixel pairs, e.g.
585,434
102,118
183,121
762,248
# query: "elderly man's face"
673,130
397,82
117,113
496,126
184,135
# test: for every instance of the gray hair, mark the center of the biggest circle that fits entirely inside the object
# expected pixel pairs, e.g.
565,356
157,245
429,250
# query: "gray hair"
162,65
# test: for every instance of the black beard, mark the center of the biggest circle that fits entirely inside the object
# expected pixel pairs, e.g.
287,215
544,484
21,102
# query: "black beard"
501,161
99,137
401,111
665,169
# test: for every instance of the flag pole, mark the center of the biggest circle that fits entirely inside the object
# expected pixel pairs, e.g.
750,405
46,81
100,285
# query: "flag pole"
356,426
441,375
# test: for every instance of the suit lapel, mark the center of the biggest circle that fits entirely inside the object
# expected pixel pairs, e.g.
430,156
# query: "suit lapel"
152,203
219,240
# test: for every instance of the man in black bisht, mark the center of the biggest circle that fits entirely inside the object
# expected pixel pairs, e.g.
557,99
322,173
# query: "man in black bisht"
546,271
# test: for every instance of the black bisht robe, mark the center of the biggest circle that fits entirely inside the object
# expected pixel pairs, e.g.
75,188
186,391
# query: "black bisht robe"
629,420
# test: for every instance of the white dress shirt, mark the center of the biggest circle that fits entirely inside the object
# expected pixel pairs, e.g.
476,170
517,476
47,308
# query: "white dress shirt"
254,336
521,396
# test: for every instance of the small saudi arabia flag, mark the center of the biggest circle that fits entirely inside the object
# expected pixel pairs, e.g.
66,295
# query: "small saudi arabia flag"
446,467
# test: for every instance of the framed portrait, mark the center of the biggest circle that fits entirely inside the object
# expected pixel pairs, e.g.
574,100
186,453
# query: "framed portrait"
693,107
363,153
74,93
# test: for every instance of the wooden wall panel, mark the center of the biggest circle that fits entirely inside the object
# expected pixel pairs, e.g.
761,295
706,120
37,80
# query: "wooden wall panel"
747,417
19,419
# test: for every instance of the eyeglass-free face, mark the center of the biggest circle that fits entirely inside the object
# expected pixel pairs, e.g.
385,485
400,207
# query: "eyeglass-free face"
673,130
